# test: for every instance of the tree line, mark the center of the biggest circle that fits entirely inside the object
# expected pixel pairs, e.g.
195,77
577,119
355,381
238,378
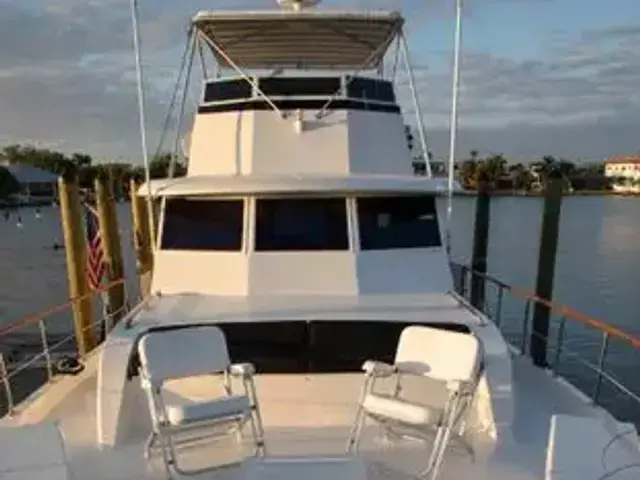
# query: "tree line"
495,169
502,175
83,166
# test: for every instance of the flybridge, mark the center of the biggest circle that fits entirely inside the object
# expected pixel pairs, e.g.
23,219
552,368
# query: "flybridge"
302,66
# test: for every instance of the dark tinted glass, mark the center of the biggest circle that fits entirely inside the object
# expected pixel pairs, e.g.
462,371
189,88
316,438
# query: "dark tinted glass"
301,224
299,86
227,90
398,222
371,89
191,224
299,346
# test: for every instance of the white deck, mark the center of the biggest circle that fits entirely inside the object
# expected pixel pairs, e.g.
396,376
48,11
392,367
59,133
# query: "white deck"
310,415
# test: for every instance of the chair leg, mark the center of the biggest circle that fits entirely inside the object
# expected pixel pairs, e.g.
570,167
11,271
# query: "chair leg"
356,430
168,458
149,445
441,442
434,449
255,418
437,461
258,434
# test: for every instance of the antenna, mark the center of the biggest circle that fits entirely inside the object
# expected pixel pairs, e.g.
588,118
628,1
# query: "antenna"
297,5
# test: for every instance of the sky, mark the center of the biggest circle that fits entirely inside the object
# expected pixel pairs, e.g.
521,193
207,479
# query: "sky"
539,77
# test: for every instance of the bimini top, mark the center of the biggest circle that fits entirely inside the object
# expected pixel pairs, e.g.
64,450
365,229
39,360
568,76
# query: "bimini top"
309,39
231,185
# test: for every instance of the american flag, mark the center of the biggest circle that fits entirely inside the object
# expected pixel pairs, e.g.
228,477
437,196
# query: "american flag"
95,254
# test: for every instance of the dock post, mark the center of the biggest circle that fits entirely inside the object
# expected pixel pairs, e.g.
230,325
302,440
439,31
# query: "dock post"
480,243
76,254
141,239
110,237
546,266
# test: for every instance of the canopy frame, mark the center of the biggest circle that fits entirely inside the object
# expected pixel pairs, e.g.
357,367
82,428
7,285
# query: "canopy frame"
312,40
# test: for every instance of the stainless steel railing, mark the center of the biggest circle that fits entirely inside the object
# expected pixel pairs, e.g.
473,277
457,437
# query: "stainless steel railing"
582,355
47,350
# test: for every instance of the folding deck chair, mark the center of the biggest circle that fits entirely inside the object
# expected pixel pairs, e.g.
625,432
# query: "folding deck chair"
190,352
436,354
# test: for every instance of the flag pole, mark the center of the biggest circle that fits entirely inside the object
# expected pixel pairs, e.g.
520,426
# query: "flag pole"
106,325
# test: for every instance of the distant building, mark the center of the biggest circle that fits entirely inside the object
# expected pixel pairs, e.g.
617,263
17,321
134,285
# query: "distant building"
36,185
624,173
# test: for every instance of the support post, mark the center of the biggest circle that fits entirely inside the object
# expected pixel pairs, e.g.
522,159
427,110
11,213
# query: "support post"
480,243
110,237
546,266
76,253
141,238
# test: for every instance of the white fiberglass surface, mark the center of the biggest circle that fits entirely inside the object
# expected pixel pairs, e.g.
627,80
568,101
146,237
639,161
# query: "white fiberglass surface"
311,415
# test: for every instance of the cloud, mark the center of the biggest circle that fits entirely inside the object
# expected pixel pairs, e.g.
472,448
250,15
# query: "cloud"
580,100
68,79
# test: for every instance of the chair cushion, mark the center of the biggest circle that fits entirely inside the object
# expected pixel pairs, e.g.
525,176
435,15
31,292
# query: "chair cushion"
400,410
210,410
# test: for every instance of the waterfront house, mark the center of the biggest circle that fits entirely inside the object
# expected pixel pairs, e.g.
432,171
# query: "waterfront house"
37,186
624,172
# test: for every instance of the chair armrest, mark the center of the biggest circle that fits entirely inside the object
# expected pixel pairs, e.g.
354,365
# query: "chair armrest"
242,369
412,368
378,369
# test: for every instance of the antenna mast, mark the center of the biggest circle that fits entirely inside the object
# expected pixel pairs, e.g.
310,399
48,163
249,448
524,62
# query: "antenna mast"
141,112
454,119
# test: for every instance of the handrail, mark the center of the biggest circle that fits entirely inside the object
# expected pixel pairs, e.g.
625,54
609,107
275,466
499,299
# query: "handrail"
35,317
565,314
45,353
561,309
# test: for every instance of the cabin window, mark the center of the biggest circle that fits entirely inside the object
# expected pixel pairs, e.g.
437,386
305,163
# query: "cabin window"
296,224
318,346
222,90
370,89
398,222
199,224
320,86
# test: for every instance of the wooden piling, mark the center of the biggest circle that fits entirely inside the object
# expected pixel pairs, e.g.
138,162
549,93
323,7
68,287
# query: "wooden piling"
76,254
480,243
546,266
141,238
110,237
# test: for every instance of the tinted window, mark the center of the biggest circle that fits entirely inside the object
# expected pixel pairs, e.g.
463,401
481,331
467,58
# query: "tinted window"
227,90
192,224
398,222
371,89
319,346
299,86
301,224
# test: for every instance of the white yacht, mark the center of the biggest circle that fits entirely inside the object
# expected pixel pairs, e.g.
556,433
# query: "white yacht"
303,321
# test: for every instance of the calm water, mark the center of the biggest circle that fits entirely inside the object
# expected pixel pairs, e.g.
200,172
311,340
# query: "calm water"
598,268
